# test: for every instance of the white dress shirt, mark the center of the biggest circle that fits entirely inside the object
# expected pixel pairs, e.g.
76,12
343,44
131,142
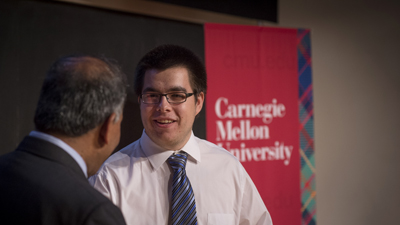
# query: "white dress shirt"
75,155
138,180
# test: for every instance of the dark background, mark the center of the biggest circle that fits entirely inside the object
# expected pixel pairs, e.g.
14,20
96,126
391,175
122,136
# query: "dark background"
256,9
33,34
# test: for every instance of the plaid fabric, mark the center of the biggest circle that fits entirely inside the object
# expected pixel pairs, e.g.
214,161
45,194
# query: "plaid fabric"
306,128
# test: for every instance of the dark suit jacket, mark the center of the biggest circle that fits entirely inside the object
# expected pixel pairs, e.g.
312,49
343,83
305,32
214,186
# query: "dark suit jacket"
42,184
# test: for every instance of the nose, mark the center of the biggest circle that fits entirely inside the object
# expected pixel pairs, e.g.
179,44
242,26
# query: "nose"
164,105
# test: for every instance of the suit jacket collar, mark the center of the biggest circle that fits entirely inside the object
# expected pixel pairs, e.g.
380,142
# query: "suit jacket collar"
49,151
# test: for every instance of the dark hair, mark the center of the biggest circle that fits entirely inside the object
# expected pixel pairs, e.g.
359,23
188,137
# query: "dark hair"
79,93
168,56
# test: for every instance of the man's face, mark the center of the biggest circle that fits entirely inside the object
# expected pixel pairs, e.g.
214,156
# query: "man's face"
169,125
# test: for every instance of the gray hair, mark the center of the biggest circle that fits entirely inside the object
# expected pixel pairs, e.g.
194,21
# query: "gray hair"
78,94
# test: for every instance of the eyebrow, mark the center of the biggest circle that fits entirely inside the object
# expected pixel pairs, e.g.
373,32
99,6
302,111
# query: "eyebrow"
177,88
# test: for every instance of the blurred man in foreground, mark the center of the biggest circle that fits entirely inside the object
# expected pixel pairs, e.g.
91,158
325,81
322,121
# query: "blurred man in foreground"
77,120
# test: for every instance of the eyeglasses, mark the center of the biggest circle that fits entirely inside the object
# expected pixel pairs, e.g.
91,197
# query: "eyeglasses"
172,97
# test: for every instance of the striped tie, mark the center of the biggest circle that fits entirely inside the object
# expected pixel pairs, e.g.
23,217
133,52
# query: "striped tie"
183,203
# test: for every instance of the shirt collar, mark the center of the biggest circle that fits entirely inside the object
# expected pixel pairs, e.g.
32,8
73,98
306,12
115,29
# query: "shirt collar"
75,155
157,155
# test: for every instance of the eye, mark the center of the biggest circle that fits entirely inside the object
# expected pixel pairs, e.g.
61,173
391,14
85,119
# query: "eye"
177,95
152,95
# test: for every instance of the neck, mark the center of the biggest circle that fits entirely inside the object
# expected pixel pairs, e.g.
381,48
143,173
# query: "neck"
83,145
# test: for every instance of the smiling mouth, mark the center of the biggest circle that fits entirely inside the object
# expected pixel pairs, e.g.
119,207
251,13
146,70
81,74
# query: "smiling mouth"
164,121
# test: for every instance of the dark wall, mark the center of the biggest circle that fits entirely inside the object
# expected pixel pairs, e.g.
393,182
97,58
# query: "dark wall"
257,9
35,33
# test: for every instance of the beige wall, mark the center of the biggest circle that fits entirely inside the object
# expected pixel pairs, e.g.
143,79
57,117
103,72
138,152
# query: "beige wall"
356,80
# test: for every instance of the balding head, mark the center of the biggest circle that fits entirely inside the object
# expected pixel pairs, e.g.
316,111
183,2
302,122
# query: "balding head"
78,94
87,66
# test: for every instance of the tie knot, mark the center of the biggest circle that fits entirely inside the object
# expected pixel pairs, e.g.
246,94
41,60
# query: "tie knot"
178,160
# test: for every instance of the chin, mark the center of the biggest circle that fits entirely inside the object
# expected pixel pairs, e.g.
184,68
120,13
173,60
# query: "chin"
167,143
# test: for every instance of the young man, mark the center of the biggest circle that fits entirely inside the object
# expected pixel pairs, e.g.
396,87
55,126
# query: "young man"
78,118
169,176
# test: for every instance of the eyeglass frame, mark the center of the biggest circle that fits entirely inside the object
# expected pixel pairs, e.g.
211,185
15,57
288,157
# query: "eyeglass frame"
161,95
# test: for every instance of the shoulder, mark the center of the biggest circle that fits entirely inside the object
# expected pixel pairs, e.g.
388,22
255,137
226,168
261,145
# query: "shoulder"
71,189
215,156
119,165
222,164
95,206
89,205
59,194
107,213
124,157
208,148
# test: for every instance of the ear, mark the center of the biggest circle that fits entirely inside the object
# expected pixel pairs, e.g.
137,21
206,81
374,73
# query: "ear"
106,129
199,102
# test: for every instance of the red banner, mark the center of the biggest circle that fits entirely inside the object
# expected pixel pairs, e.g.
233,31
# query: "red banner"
252,109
